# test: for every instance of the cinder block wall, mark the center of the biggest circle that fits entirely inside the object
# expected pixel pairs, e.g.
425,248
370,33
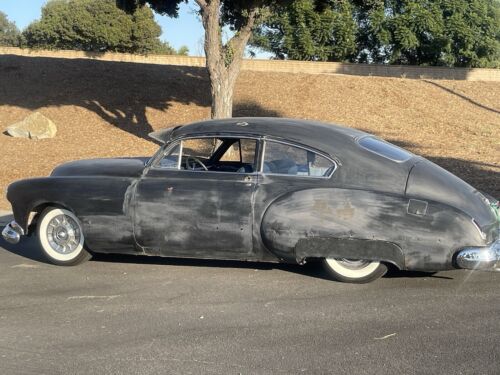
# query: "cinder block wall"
290,66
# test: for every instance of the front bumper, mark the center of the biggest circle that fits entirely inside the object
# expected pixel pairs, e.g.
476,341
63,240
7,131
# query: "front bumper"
480,258
12,232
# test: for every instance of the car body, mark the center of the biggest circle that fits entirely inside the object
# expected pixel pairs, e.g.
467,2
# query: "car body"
270,189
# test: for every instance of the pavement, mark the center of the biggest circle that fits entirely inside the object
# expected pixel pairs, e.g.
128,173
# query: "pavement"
5,217
140,315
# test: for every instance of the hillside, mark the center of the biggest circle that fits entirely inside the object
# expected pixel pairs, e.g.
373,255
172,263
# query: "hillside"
106,109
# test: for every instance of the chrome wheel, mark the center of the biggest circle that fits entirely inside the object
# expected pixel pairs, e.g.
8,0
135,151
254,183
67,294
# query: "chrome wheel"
63,234
61,237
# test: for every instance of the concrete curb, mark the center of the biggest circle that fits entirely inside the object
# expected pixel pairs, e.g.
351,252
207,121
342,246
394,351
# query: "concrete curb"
5,217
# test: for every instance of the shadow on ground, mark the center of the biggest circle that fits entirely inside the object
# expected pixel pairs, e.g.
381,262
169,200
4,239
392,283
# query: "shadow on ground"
462,96
29,248
118,92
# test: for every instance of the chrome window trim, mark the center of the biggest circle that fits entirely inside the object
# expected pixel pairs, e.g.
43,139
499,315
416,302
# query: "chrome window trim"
181,148
257,138
288,143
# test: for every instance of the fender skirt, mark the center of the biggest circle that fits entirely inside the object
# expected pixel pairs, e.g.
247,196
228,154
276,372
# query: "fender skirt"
349,248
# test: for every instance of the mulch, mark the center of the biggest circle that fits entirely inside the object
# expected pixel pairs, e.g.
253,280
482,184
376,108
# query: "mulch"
106,109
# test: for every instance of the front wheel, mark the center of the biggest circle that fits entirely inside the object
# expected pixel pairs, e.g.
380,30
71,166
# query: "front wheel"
61,237
354,271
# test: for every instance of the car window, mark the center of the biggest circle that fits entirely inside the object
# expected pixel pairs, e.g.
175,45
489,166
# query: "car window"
280,158
242,150
384,149
212,155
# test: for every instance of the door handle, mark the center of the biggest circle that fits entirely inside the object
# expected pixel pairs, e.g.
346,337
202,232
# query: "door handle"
248,179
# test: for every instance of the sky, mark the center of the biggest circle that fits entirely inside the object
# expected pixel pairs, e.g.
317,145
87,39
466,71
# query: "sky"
184,30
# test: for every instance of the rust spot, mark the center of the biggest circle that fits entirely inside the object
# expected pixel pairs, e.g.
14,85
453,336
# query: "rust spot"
346,212
322,207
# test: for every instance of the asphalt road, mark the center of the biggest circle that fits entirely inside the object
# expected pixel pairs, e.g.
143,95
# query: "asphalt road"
142,315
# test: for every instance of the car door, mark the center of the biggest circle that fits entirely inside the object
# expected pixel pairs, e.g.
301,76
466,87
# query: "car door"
183,210
287,168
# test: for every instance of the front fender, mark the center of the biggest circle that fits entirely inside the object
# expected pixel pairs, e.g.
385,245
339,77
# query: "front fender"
85,196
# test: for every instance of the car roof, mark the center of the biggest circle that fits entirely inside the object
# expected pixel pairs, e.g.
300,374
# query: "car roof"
316,134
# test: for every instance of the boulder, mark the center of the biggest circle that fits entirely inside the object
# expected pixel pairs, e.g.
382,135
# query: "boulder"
35,126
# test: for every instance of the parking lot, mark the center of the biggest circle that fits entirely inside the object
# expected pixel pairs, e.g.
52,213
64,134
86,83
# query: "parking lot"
118,314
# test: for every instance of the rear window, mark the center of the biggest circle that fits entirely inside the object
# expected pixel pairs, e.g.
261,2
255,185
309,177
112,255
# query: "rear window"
384,149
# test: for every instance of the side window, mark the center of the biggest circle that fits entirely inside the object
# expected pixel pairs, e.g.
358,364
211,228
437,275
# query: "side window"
212,155
284,159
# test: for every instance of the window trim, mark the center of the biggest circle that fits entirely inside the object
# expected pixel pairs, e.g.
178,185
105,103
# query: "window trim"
305,148
260,153
155,164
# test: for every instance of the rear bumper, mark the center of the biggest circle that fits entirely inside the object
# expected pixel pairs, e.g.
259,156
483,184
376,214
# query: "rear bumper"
480,258
12,232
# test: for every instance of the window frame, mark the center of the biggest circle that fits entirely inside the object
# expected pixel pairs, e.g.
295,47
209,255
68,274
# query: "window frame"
173,143
260,151
293,144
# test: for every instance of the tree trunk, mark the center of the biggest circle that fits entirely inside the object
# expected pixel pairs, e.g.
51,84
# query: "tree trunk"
223,61
222,90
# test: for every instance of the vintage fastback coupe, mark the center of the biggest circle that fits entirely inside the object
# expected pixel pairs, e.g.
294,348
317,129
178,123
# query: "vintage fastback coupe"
263,189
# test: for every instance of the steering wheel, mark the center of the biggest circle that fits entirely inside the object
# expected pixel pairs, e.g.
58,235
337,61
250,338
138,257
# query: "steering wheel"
196,160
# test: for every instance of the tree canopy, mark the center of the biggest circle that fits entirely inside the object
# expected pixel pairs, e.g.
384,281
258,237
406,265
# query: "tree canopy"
9,33
303,31
419,32
96,25
223,57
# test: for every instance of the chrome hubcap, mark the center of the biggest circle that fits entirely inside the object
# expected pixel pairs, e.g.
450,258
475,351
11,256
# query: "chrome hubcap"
63,234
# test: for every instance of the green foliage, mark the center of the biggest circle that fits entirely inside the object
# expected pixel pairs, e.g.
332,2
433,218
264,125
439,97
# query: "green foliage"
462,33
95,25
9,33
301,32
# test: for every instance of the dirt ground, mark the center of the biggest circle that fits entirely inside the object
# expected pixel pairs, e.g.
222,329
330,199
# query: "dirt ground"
105,109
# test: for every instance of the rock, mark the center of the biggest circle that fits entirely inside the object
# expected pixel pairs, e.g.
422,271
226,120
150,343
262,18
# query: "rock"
35,126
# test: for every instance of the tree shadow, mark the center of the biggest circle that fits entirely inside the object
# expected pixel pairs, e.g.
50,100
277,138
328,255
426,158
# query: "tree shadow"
118,92
462,96
253,109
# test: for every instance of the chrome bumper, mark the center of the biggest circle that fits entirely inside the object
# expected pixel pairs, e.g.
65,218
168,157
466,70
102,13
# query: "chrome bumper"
480,258
12,232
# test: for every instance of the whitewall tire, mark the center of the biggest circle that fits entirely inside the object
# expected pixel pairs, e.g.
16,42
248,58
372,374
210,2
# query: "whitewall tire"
61,238
354,271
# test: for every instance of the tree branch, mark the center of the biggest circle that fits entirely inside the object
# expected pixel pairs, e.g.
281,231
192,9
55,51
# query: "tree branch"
201,3
239,41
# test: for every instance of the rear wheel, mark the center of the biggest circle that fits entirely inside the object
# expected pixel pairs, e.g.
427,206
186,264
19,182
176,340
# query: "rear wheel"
354,271
61,237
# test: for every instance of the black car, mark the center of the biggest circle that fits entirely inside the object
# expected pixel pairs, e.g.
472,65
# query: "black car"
263,189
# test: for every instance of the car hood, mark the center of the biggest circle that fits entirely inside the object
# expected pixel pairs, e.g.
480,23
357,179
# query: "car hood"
117,167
